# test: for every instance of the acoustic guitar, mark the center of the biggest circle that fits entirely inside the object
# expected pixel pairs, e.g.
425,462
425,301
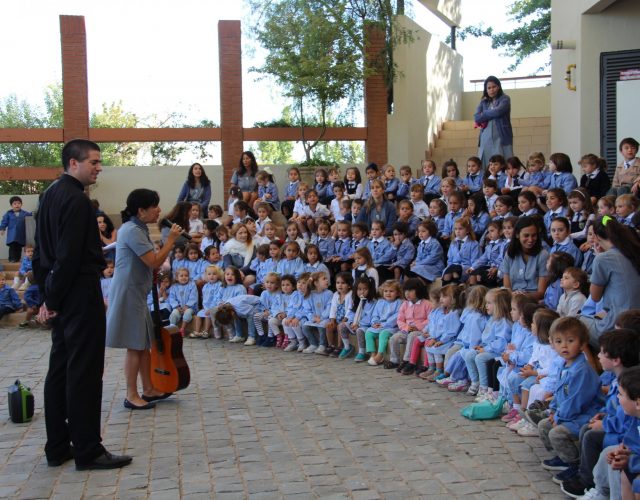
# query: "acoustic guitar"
169,369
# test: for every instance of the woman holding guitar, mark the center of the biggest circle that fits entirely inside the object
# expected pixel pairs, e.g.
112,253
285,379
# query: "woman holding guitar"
129,323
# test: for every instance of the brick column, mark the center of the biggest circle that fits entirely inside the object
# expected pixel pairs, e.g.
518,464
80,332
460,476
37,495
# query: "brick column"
230,56
75,93
375,101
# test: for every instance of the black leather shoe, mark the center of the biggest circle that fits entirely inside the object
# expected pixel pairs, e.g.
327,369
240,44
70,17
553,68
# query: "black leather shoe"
106,461
129,405
57,462
150,399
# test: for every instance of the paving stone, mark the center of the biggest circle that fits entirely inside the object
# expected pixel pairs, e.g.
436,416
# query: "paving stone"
265,424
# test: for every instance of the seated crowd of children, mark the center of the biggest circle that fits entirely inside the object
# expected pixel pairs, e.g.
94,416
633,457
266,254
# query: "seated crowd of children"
330,284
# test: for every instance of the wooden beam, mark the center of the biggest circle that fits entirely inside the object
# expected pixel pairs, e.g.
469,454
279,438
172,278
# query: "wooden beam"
311,133
154,134
29,173
30,135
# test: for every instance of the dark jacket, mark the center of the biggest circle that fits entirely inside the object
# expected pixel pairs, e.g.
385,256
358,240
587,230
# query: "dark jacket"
501,114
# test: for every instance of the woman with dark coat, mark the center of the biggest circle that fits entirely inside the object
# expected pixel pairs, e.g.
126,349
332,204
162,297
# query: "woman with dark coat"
493,117
197,188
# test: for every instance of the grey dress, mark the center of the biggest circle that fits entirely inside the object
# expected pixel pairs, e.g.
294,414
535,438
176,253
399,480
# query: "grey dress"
129,322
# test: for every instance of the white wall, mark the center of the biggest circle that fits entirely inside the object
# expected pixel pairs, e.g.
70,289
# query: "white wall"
596,26
427,93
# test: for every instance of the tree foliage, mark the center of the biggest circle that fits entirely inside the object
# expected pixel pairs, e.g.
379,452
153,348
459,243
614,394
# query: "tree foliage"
531,36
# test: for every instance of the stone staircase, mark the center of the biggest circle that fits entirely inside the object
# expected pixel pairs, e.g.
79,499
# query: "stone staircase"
459,140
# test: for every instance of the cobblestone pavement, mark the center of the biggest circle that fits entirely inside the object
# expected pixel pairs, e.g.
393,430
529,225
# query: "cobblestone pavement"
261,423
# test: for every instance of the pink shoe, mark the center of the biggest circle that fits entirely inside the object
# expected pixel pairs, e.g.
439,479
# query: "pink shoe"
515,424
513,413
460,386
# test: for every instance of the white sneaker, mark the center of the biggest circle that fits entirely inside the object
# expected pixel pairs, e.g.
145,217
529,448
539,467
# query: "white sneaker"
235,339
250,341
310,350
322,350
293,346
516,424
473,389
482,395
594,494
217,333
302,346
528,429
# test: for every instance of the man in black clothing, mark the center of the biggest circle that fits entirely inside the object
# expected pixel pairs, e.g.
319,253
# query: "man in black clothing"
67,261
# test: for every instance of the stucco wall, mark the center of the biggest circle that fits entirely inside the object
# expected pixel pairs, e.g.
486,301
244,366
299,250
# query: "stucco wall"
596,27
525,103
427,93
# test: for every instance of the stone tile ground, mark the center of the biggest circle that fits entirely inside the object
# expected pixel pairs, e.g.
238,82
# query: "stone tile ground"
260,423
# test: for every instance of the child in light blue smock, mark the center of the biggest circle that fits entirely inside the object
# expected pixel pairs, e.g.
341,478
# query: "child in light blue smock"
405,252
562,242
359,317
456,211
495,338
315,315
323,240
382,252
429,262
211,292
384,320
291,323
484,269
261,267
473,319
463,252
183,299
314,262
268,308
238,309
444,333
291,263
231,287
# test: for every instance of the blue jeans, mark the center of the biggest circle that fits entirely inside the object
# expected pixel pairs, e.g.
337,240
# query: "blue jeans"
477,366
312,337
251,327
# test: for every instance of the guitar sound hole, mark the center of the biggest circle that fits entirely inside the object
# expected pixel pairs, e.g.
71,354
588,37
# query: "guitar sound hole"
161,371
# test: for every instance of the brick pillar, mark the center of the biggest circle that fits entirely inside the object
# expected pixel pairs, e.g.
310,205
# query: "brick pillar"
75,93
375,102
230,56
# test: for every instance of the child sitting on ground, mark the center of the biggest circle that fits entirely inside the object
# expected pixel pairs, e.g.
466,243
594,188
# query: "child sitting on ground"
577,396
32,300
384,321
183,299
236,309
210,297
9,300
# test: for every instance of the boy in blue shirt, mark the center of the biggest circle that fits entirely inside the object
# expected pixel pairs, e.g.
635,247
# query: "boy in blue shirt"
576,397
9,300
13,224
619,349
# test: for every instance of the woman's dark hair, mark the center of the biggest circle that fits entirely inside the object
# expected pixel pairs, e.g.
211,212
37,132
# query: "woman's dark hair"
254,164
418,286
371,293
562,162
621,236
179,214
140,198
480,203
450,163
109,223
515,247
559,262
543,235
491,79
191,179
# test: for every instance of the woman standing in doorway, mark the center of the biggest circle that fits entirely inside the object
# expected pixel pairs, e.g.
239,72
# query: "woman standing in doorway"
493,117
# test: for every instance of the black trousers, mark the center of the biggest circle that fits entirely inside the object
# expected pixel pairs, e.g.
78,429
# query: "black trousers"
73,387
15,252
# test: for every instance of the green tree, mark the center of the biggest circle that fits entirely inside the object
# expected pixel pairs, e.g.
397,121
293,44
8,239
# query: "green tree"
117,153
532,35
310,58
15,113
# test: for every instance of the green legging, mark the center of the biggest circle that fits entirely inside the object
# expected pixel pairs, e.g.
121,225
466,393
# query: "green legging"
370,339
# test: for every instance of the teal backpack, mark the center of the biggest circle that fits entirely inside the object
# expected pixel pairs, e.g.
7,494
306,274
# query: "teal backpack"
485,410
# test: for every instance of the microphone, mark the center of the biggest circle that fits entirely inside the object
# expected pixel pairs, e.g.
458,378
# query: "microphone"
169,224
